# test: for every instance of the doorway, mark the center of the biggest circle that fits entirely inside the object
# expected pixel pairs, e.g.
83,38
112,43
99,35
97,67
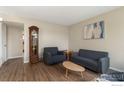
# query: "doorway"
12,40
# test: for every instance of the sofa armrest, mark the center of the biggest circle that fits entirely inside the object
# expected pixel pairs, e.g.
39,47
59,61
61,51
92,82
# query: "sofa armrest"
103,64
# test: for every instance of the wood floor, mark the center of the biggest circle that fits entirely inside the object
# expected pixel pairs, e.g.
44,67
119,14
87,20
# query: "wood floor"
16,70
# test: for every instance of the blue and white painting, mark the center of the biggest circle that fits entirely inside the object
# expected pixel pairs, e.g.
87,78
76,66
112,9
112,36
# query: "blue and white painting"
94,30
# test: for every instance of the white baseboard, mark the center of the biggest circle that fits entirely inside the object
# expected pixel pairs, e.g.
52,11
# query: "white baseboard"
0,62
26,61
15,57
116,69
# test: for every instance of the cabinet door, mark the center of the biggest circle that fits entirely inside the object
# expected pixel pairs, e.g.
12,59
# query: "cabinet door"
33,36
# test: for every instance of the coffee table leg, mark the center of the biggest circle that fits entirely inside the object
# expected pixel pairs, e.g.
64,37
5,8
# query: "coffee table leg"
66,73
82,74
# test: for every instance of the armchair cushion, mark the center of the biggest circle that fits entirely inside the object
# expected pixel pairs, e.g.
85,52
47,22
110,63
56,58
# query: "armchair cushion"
58,58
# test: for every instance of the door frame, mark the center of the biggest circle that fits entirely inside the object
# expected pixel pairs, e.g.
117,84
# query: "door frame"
4,43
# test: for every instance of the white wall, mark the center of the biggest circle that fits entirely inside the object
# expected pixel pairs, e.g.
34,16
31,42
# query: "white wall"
113,41
14,42
49,34
53,35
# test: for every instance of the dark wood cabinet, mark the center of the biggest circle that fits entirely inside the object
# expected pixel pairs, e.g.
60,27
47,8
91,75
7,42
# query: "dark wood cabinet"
33,44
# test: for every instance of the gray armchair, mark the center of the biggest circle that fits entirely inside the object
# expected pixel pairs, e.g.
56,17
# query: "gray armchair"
51,55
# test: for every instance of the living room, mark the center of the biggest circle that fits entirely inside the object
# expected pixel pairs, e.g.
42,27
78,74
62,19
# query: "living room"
71,37
44,47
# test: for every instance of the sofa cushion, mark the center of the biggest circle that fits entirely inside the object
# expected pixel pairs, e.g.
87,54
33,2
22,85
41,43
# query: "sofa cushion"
95,55
85,61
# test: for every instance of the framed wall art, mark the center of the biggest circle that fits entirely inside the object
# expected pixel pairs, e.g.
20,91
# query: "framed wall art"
94,31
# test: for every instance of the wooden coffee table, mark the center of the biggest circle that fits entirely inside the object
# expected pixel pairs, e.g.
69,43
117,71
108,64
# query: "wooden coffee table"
74,67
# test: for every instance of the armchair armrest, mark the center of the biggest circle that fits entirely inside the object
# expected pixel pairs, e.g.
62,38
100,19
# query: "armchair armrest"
60,53
103,64
47,57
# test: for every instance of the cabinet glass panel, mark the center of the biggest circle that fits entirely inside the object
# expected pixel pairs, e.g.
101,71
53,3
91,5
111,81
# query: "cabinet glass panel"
34,41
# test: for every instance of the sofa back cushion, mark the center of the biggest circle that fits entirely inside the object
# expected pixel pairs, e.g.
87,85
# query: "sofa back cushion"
95,55
52,50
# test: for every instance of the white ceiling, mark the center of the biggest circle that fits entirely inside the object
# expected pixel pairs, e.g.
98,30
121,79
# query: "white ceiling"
63,15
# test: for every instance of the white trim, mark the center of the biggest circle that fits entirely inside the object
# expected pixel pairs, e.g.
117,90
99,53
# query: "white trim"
15,57
0,65
26,61
116,69
0,62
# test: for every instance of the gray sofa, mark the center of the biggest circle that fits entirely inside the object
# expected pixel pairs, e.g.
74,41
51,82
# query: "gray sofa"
93,60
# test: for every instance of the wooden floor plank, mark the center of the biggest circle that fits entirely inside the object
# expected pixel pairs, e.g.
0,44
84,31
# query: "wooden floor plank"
28,72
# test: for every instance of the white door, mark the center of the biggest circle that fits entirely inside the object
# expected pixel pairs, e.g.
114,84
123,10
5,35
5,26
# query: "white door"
4,43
